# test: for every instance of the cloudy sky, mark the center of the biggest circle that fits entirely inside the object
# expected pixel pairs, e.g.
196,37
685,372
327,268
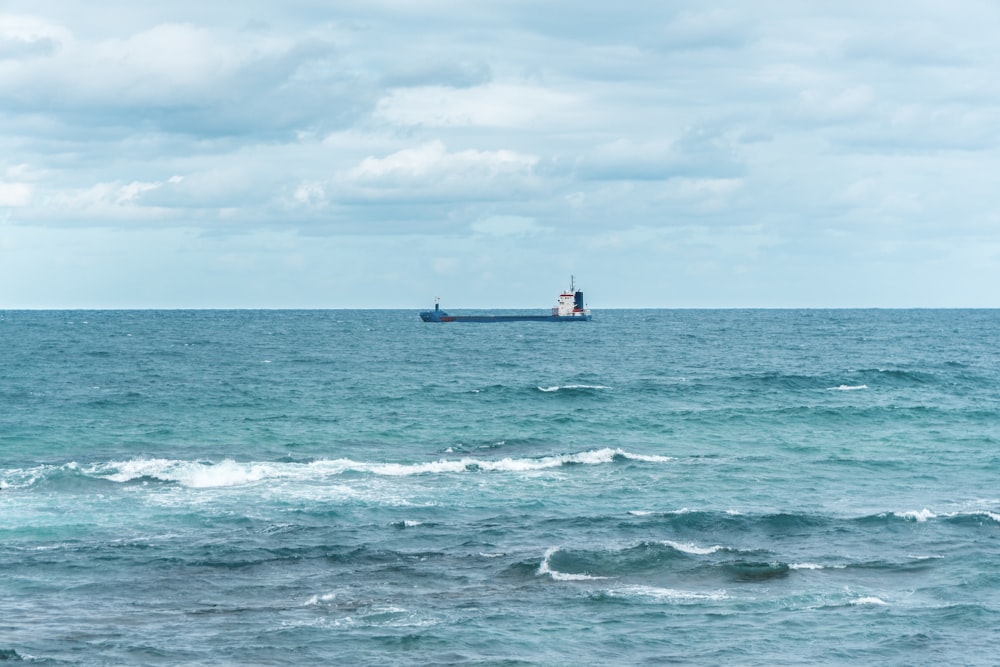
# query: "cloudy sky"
379,153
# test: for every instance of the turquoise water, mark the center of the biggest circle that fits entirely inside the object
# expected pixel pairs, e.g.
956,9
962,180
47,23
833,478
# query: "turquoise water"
357,487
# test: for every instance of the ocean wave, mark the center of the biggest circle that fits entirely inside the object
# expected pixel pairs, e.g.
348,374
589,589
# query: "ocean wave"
817,566
693,549
545,569
651,561
228,472
755,571
573,387
869,600
846,387
659,594
921,515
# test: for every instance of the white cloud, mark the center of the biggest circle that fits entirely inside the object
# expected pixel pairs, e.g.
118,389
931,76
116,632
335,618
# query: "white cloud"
14,194
431,170
27,37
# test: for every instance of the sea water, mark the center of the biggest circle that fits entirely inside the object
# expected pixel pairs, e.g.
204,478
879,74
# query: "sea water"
699,487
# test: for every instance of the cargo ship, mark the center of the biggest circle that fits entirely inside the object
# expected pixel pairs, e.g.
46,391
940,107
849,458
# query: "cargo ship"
570,308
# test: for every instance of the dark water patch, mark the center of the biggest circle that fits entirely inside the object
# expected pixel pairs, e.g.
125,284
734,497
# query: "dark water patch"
982,519
9,655
866,464
368,556
409,642
779,381
523,570
298,460
755,571
911,566
779,524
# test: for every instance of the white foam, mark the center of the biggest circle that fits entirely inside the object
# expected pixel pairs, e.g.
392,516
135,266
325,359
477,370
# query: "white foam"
658,593
592,457
640,512
225,473
690,548
572,386
869,600
546,569
846,387
921,516
805,566
194,474
317,599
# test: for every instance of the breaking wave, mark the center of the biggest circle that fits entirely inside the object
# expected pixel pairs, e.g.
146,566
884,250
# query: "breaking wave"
228,472
546,569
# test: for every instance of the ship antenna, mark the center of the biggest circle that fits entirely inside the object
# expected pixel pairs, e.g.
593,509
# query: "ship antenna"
572,283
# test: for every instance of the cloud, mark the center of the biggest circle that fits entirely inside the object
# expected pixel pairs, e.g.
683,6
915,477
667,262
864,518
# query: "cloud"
14,194
696,152
179,77
707,29
438,72
509,225
431,171
514,105
27,38
475,132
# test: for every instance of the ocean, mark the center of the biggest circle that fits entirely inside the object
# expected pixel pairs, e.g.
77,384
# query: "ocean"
693,487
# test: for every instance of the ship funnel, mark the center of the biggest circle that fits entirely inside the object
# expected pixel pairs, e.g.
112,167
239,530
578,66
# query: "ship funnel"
578,300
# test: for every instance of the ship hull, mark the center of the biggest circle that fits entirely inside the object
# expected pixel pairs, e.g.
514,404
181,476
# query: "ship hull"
570,308
438,316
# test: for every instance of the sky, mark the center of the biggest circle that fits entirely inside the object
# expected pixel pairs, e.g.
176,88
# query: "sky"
381,153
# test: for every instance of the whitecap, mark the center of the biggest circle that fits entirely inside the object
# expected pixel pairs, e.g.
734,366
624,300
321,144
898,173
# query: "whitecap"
921,516
226,473
805,566
658,593
846,387
690,548
869,600
592,457
194,474
545,568
317,599
573,387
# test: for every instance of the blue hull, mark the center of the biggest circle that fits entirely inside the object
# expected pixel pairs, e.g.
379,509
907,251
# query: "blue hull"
441,316
569,309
